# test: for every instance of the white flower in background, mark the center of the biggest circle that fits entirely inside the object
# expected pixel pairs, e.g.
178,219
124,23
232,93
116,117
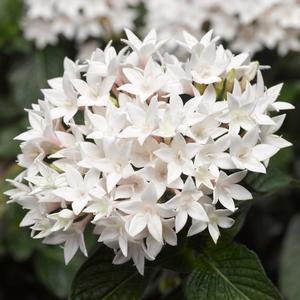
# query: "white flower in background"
246,25
140,164
45,21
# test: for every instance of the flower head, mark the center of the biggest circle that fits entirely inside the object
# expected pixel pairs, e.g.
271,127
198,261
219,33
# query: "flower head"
118,144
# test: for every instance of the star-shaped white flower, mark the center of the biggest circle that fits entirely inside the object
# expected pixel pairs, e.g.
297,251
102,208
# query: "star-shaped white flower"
226,189
217,218
178,157
78,191
116,164
143,121
143,49
247,154
146,213
186,204
94,92
63,219
144,83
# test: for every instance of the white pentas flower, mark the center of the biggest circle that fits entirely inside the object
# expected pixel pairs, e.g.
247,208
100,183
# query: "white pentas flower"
117,143
246,25
45,21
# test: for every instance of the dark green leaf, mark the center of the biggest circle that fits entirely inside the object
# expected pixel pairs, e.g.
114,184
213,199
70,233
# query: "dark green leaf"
99,279
178,259
229,272
271,182
10,148
10,31
239,218
289,273
290,91
52,271
28,77
18,241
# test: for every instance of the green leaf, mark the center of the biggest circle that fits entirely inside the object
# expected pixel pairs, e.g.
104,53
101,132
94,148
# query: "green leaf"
178,258
271,182
229,272
10,31
290,91
99,279
239,219
30,75
289,272
18,241
52,271
11,148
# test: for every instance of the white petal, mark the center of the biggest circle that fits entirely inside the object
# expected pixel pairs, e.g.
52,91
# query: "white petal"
225,222
282,106
236,177
137,224
214,231
174,172
155,227
112,180
70,248
81,86
197,212
180,220
170,236
133,76
139,260
78,205
74,178
108,234
123,243
239,192
227,201
263,151
197,227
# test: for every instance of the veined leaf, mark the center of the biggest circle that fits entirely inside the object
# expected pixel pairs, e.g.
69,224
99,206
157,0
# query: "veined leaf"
229,272
99,279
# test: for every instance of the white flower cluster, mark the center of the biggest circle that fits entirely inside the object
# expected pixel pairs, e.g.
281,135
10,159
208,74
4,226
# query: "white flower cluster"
246,25
142,144
45,20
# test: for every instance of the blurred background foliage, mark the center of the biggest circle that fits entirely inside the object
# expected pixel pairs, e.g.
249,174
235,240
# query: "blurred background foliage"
34,271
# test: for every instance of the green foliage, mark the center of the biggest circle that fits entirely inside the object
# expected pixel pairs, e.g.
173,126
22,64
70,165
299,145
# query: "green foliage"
15,240
10,19
289,272
30,75
229,272
10,147
52,271
224,271
98,279
290,91
271,182
26,78
48,261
